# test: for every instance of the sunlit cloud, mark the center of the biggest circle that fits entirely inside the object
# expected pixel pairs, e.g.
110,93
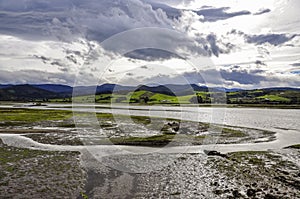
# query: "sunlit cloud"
57,38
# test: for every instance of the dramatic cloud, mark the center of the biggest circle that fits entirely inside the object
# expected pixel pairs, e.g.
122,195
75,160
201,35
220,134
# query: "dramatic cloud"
171,12
243,76
295,64
262,11
273,39
232,77
35,77
252,44
215,14
65,19
150,54
217,46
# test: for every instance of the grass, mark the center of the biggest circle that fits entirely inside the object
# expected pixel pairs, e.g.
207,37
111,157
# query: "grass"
158,140
32,115
185,99
227,132
296,146
37,169
104,115
137,94
141,120
11,155
274,98
134,97
161,98
10,117
244,97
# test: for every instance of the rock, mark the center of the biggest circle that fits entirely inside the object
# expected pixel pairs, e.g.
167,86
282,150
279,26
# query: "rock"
270,196
174,126
226,191
236,193
251,192
283,172
218,192
215,153
216,183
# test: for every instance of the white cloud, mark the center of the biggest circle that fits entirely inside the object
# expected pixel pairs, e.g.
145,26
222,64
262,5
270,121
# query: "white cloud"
39,39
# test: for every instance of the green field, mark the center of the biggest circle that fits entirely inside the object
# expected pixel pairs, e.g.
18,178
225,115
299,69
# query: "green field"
262,97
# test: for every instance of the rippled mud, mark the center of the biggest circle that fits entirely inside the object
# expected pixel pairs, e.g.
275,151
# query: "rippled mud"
240,175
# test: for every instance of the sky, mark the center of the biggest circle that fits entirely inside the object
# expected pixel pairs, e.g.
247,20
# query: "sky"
229,43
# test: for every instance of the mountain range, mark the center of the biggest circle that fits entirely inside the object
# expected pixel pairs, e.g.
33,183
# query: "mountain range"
27,92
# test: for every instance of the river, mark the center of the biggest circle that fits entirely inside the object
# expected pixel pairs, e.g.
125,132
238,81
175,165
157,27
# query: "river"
285,122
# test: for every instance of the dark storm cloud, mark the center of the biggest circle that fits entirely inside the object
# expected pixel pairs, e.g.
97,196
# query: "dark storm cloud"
171,12
215,46
258,62
129,74
55,62
263,11
212,40
170,2
211,14
233,76
151,54
35,77
95,19
243,76
43,58
273,39
295,64
98,20
212,76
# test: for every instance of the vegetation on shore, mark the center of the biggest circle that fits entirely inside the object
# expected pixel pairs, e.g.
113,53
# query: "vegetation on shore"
36,174
251,97
172,132
32,115
296,146
168,94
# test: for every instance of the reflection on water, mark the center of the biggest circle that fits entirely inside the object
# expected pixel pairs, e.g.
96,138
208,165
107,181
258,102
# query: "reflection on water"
245,117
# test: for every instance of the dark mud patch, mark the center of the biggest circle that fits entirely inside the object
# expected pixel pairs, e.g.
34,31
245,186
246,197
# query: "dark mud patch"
104,181
56,139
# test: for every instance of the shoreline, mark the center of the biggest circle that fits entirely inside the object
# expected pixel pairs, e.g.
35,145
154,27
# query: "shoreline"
122,171
212,105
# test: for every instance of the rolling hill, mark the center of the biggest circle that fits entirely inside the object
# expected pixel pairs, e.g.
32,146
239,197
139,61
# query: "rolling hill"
24,93
169,93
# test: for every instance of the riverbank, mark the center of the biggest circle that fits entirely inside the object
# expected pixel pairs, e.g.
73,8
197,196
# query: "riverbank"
208,105
26,173
262,174
42,148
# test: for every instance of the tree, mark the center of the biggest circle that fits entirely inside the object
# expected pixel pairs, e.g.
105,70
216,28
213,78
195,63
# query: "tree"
196,99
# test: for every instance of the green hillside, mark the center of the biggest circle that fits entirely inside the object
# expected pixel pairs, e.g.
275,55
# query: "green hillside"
156,95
